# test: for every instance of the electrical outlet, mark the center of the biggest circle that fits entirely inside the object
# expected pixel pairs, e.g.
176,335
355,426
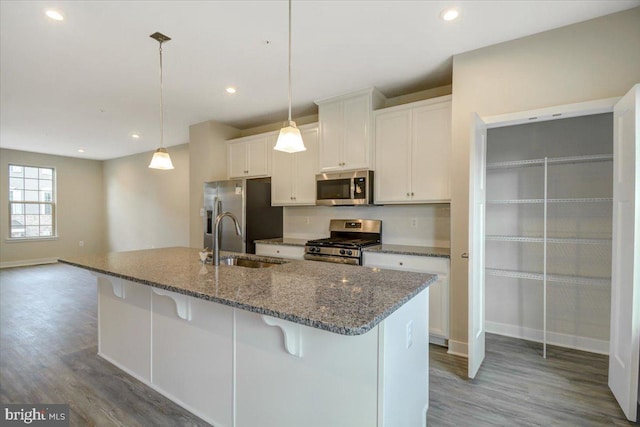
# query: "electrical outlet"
306,220
414,222
81,243
409,333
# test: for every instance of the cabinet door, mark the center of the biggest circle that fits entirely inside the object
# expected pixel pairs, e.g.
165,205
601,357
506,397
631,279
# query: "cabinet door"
393,147
431,157
237,160
331,136
258,155
357,129
282,178
304,174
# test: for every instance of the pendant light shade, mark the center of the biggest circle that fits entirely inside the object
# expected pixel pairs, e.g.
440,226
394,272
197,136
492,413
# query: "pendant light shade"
290,139
161,159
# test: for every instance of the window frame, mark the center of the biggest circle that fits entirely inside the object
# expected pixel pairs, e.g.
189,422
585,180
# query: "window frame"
52,204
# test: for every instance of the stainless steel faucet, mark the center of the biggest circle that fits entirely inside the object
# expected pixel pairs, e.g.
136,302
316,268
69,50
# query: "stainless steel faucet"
216,234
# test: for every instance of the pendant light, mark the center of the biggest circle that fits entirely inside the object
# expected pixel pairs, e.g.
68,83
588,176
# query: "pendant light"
161,159
289,139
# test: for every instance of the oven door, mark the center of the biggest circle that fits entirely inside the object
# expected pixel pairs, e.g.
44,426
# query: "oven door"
332,258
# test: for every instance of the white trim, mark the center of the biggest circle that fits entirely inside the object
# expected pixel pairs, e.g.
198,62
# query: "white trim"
562,340
29,239
552,113
28,262
458,348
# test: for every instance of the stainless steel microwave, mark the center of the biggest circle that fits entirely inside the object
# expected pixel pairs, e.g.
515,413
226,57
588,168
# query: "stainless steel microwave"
344,188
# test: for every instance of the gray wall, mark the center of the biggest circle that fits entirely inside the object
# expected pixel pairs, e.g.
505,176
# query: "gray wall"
79,209
591,60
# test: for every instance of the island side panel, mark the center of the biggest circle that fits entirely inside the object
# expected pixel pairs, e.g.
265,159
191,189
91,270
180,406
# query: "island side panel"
124,325
404,360
333,383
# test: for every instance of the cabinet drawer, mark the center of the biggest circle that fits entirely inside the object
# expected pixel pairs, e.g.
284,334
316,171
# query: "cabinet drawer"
422,264
280,251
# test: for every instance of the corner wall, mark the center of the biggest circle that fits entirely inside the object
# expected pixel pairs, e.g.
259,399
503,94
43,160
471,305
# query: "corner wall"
79,209
590,60
207,162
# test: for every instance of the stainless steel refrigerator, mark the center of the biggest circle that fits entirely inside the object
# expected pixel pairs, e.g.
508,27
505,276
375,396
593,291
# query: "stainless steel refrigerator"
250,201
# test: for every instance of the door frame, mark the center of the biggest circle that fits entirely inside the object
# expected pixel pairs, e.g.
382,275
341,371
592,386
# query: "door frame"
476,294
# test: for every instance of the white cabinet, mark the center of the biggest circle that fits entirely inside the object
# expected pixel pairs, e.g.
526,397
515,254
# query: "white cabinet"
293,180
250,156
413,152
346,141
280,251
438,292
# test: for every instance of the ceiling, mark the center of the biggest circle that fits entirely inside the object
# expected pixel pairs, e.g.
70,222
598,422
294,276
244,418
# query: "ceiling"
91,80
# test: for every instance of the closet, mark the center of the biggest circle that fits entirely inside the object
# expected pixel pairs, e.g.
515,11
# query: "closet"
549,188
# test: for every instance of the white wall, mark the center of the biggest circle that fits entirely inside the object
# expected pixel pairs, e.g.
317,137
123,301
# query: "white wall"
79,209
312,222
147,208
591,60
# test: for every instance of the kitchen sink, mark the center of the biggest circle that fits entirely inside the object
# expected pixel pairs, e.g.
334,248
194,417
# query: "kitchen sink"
250,263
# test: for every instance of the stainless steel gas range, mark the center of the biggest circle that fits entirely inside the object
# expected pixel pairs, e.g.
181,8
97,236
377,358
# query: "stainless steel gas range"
348,238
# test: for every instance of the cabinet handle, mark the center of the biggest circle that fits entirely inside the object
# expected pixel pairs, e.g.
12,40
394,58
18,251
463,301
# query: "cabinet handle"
277,252
412,194
407,194
465,255
401,263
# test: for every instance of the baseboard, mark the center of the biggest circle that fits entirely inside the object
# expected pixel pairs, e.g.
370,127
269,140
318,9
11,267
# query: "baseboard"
458,348
561,340
28,262
434,339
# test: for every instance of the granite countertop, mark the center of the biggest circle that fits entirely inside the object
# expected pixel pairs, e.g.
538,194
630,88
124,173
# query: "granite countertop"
286,241
344,299
411,250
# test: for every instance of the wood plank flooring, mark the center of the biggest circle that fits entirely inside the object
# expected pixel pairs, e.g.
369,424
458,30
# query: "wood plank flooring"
48,346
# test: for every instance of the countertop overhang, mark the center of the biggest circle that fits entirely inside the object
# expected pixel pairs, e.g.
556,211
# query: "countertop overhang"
344,299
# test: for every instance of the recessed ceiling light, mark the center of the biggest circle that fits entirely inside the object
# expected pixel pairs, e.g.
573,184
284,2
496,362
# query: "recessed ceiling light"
135,136
231,89
80,150
450,14
54,14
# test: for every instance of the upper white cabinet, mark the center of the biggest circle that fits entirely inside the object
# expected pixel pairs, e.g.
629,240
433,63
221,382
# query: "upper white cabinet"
293,181
346,141
413,152
250,156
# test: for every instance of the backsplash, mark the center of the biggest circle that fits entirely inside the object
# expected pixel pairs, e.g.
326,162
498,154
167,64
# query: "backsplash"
419,225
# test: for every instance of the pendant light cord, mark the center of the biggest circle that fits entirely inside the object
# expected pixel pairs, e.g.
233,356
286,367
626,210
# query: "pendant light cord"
289,60
161,103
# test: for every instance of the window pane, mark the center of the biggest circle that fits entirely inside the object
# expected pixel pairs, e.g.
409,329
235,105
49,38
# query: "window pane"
17,232
46,231
32,231
16,171
17,195
46,220
17,220
46,196
17,208
46,185
16,183
31,184
47,209
31,196
46,173
30,172
33,219
32,209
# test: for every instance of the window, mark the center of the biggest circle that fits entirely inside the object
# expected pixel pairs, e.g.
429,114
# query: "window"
31,202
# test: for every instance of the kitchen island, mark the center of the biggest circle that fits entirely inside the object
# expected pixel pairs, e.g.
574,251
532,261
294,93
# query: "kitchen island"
298,343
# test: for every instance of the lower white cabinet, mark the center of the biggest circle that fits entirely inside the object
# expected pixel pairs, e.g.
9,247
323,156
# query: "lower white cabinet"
280,251
438,292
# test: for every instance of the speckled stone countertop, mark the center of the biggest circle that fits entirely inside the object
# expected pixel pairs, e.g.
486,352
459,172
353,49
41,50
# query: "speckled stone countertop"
411,250
286,241
344,299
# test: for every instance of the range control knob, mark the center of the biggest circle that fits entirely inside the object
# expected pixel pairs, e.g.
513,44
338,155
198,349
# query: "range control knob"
349,252
342,251
313,249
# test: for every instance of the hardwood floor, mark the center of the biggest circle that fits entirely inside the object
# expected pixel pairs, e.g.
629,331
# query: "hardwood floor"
48,346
